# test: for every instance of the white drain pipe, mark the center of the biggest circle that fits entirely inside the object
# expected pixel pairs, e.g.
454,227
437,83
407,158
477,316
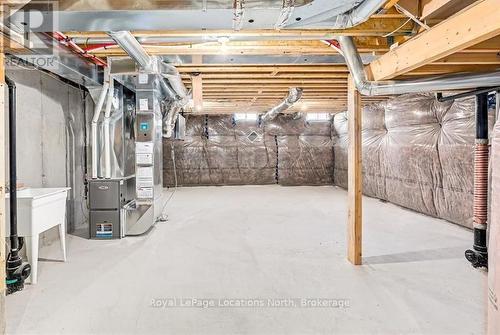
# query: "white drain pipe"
95,120
107,140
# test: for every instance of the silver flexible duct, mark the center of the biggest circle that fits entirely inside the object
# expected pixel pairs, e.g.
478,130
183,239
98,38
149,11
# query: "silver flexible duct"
440,83
173,76
294,95
169,123
285,14
348,19
238,14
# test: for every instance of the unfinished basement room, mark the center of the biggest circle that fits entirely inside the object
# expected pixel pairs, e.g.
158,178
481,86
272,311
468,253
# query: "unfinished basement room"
257,167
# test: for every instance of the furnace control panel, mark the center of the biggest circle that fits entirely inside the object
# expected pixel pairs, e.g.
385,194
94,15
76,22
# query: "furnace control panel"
144,156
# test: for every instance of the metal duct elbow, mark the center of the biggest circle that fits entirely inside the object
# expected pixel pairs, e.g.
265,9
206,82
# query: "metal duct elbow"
294,95
133,48
432,84
171,73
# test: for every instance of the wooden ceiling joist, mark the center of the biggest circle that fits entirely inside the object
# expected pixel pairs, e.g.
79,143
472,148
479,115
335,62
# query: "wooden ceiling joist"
473,25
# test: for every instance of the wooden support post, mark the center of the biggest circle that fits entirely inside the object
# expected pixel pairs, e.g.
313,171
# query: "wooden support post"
355,185
197,86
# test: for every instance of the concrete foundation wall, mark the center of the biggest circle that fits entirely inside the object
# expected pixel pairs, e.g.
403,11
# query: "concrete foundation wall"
219,150
50,122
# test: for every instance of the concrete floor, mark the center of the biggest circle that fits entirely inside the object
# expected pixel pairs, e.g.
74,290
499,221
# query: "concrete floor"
259,242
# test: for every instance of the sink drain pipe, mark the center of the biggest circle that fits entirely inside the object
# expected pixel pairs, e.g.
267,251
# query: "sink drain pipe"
16,270
478,256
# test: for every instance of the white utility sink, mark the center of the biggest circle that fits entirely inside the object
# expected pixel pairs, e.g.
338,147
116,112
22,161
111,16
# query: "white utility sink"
38,210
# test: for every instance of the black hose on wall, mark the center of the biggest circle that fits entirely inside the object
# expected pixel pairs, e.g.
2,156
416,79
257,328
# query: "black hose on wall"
478,256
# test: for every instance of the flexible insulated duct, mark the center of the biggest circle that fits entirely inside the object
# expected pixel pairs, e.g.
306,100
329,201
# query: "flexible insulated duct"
441,83
169,123
294,95
348,19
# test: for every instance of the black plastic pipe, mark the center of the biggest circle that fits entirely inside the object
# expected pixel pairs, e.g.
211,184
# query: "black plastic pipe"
482,116
476,92
16,270
14,259
478,256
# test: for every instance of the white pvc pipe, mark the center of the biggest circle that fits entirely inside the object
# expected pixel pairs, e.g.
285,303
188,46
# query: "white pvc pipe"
95,120
107,142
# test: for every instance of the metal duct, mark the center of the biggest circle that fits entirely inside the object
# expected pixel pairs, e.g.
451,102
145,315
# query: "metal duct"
238,14
263,16
294,95
169,122
173,76
133,48
348,19
440,83
285,14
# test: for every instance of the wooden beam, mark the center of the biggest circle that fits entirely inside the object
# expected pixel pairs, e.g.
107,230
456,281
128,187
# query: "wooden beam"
322,68
470,58
355,178
471,26
390,3
266,47
442,8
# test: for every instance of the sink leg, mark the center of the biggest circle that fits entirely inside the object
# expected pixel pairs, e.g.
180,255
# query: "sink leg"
32,255
62,238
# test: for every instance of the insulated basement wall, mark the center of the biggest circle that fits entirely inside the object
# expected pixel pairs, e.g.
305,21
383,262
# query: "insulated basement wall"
221,151
417,153
50,121
494,242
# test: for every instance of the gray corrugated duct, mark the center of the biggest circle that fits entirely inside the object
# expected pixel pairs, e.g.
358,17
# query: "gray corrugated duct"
441,83
294,95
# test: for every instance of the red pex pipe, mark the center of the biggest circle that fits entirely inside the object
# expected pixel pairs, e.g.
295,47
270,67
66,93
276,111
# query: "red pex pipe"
63,39
98,46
